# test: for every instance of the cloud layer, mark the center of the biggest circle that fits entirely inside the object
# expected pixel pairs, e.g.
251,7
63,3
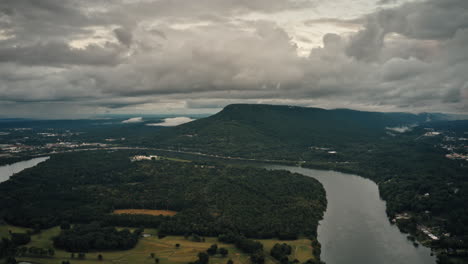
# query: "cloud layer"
133,120
173,121
79,58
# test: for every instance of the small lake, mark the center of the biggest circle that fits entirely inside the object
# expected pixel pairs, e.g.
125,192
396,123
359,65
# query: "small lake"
355,228
6,171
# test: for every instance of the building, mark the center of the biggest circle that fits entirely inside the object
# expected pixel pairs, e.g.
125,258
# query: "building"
144,157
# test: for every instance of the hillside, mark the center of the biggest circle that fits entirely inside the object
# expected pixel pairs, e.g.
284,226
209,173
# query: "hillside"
405,154
246,130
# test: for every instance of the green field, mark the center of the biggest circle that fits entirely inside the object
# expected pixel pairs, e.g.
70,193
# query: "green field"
5,230
301,248
164,249
174,159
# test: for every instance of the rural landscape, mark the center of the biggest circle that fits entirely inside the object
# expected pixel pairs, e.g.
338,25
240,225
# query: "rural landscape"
167,210
196,186
234,132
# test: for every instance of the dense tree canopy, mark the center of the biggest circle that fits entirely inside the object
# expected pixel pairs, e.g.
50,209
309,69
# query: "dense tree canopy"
82,238
389,148
210,199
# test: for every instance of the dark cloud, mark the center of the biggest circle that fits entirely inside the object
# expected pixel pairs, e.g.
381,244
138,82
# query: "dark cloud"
387,2
398,69
182,8
430,19
31,20
124,36
99,55
58,53
345,23
367,43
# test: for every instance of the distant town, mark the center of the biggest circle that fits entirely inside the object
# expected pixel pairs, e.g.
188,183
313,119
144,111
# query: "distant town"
25,141
16,142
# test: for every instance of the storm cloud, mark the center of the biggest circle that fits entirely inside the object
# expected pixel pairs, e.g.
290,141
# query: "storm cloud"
92,57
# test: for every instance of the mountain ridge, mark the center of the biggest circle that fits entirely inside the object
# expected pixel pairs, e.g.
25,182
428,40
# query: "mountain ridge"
245,129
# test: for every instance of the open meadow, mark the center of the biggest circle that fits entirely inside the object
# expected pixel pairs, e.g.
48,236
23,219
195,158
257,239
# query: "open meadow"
145,212
164,249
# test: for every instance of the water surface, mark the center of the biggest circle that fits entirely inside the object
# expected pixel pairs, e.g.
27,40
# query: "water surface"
355,228
6,171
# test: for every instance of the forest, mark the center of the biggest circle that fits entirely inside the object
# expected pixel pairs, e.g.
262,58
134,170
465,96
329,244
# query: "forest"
404,163
279,132
210,200
221,200
94,236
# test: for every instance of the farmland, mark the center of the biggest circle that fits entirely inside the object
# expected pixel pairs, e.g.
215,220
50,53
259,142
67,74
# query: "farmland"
145,212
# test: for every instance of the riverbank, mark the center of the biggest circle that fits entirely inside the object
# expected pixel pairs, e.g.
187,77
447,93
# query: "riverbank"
422,228
343,167
8,170
209,199
7,160
355,227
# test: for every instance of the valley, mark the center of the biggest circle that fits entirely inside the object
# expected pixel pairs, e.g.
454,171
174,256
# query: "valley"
410,159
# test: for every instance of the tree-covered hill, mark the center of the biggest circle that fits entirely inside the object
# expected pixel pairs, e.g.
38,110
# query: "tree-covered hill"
405,154
245,130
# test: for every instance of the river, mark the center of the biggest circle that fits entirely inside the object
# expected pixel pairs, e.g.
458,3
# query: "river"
6,171
355,228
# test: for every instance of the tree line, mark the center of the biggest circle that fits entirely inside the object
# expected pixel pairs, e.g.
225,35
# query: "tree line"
210,200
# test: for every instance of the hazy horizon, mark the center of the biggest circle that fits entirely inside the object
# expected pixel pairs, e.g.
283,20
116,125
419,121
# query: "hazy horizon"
149,116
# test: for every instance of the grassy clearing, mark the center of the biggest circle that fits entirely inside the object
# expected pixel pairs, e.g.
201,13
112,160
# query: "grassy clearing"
44,239
301,248
174,159
164,249
5,230
145,212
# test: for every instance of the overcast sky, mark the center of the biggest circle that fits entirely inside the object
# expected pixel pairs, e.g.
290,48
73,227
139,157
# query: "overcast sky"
79,58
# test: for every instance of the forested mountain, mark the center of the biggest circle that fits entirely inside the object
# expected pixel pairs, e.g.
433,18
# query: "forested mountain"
405,154
243,129
409,156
